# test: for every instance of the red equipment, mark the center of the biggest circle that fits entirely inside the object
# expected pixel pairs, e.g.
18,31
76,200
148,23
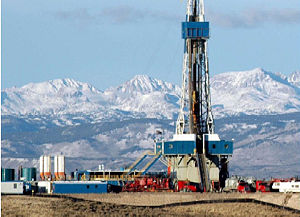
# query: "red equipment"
185,186
148,184
263,186
244,187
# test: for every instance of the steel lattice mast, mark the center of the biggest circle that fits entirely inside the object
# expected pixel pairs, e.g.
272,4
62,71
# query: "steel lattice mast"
196,88
196,155
195,81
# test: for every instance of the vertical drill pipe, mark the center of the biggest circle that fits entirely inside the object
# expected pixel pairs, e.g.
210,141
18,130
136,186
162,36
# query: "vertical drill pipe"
204,172
191,119
195,90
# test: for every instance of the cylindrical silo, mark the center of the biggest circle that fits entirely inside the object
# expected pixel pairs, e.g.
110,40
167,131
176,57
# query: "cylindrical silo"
7,174
56,167
42,167
61,167
29,174
47,167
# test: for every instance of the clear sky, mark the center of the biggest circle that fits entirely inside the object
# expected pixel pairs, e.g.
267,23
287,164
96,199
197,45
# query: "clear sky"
106,42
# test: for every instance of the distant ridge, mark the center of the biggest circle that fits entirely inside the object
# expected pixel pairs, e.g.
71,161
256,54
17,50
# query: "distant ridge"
245,92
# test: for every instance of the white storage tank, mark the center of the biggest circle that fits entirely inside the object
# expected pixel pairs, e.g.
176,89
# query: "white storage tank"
47,167
42,167
59,167
56,167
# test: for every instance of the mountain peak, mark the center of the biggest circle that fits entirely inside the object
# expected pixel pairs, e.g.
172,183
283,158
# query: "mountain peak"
59,85
141,77
257,70
247,78
68,82
254,91
153,97
143,84
50,97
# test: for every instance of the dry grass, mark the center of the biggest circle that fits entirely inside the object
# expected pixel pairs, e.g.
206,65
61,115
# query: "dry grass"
39,206
162,198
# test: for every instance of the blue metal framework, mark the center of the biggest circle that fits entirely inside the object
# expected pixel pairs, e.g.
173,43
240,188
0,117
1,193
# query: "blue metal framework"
151,163
137,163
195,30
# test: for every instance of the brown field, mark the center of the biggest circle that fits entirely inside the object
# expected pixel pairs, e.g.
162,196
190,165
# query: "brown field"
50,206
163,198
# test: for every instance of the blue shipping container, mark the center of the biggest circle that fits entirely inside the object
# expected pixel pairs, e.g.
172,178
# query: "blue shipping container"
79,187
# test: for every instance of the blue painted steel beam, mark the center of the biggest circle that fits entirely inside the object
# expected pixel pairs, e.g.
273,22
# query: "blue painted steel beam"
154,161
138,163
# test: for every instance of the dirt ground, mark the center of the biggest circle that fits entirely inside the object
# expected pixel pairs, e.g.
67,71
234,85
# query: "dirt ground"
163,198
46,206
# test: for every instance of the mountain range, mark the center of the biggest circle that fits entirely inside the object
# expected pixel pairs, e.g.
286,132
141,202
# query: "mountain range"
259,109
247,92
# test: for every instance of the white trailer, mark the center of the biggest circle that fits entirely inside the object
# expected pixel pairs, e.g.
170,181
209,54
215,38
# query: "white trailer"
12,187
292,186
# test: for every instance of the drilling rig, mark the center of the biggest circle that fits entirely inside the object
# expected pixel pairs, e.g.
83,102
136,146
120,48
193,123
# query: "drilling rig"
196,155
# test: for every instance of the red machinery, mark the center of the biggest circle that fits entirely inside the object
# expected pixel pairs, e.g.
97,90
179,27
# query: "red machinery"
244,187
185,186
260,186
148,184
266,186
263,186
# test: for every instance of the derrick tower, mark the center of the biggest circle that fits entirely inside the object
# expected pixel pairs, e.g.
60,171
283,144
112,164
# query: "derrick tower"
195,32
196,155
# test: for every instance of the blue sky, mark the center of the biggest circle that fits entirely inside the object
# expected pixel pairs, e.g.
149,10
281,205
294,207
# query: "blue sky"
106,42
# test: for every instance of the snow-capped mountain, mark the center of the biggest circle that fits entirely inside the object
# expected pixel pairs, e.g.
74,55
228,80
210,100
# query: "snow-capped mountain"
142,84
142,94
249,92
155,98
59,96
254,92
